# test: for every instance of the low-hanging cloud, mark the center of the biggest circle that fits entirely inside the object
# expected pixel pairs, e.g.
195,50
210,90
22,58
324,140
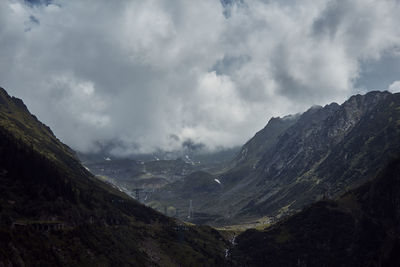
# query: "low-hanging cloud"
150,75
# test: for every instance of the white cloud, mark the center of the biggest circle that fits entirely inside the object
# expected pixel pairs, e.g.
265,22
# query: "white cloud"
138,72
394,87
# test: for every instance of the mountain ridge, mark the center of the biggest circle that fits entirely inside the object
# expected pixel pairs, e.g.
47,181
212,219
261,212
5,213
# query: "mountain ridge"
307,145
322,152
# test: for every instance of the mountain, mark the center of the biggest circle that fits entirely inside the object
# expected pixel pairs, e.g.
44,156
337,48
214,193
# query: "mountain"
361,228
299,159
132,174
180,195
53,212
152,171
326,151
191,153
264,139
251,152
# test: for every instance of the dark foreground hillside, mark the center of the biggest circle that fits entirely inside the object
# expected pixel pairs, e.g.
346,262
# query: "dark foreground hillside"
55,213
362,228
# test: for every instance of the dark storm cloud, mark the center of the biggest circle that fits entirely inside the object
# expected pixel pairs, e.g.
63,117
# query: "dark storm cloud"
34,20
190,145
331,17
230,63
229,4
149,75
38,2
289,84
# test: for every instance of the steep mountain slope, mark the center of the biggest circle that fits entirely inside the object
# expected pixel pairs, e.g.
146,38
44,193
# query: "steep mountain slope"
361,228
177,196
297,160
264,139
336,147
251,152
53,212
326,151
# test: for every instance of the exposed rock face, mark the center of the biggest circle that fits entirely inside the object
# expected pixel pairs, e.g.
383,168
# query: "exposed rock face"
297,160
264,139
325,151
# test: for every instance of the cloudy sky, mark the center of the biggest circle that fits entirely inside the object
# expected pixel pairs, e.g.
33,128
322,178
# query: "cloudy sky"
152,74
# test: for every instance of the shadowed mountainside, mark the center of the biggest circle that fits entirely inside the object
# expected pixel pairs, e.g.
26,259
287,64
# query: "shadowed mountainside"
53,212
361,228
